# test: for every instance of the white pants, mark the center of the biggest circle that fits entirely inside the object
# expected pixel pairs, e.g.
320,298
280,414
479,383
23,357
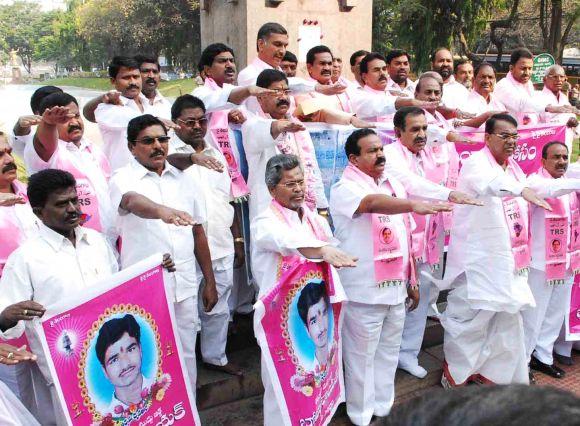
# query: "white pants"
416,320
543,323
187,323
214,324
371,338
243,292
482,342
564,347
12,412
272,413
19,380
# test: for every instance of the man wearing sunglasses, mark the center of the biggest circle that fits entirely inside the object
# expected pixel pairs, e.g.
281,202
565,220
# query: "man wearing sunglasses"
160,211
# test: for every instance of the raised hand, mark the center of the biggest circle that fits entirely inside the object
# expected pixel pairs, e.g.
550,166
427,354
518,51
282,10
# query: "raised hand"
176,217
27,121
8,200
424,208
338,258
458,197
208,162
330,89
112,97
56,115
531,197
10,355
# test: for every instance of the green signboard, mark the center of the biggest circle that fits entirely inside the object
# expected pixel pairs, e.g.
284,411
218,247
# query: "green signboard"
542,62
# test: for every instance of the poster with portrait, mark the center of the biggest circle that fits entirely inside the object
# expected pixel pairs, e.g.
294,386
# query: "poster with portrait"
298,329
114,355
573,312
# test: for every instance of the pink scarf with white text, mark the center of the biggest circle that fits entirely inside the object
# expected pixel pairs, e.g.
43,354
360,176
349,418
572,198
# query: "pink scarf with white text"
10,233
219,130
387,254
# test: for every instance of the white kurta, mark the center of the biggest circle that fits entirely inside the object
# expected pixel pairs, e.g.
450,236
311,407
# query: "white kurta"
370,104
260,147
112,121
477,104
160,106
519,99
49,270
408,91
454,94
542,324
547,117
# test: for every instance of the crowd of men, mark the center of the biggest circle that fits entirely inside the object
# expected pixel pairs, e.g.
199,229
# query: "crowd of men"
167,178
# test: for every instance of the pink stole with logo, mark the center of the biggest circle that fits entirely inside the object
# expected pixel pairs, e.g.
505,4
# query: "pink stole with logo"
557,233
516,217
88,200
219,130
10,232
286,262
387,254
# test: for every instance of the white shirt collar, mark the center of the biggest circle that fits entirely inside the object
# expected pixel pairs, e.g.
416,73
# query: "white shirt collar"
56,240
141,171
126,101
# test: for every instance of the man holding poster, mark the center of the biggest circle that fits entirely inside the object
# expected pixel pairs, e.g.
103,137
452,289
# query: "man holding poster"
367,205
555,251
285,235
63,260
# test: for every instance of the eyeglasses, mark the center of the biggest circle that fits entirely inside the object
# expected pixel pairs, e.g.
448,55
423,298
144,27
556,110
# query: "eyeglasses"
193,121
292,185
149,141
508,136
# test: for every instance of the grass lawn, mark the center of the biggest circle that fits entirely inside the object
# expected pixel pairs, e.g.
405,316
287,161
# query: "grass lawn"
170,89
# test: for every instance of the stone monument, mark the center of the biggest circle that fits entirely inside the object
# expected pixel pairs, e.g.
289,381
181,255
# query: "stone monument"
343,25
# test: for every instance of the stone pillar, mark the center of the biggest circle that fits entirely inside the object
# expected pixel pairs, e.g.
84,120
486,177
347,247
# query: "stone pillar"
344,25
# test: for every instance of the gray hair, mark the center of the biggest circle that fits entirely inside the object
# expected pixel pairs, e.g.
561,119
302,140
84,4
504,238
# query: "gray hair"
429,74
554,67
276,165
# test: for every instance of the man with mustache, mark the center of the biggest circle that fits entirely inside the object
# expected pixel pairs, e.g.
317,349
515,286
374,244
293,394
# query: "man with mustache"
398,68
487,265
319,65
482,98
285,233
116,110
364,203
61,261
59,143
17,224
150,69
552,92
418,155
552,272
224,233
160,211
119,352
455,94
271,44
273,132
463,73
517,93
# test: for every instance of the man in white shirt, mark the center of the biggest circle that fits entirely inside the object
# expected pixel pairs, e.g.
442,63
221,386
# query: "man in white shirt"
22,133
59,143
275,132
481,98
150,69
224,234
555,252
366,207
454,93
283,234
146,191
487,266
398,68
62,261
517,93
463,73
113,118
17,224
271,44
552,92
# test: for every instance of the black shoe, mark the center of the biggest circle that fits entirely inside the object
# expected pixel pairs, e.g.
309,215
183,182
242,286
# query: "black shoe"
564,360
550,370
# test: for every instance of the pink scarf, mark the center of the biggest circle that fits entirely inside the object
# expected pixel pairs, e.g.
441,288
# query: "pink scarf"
557,234
525,118
286,262
516,216
383,118
219,131
10,232
388,258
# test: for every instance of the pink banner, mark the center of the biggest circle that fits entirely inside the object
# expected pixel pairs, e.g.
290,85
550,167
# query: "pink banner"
573,312
298,329
528,153
115,356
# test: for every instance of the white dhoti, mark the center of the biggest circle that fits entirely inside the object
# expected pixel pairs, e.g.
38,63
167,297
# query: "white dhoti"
243,292
272,413
416,320
19,380
12,412
214,324
482,342
371,338
187,322
543,323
